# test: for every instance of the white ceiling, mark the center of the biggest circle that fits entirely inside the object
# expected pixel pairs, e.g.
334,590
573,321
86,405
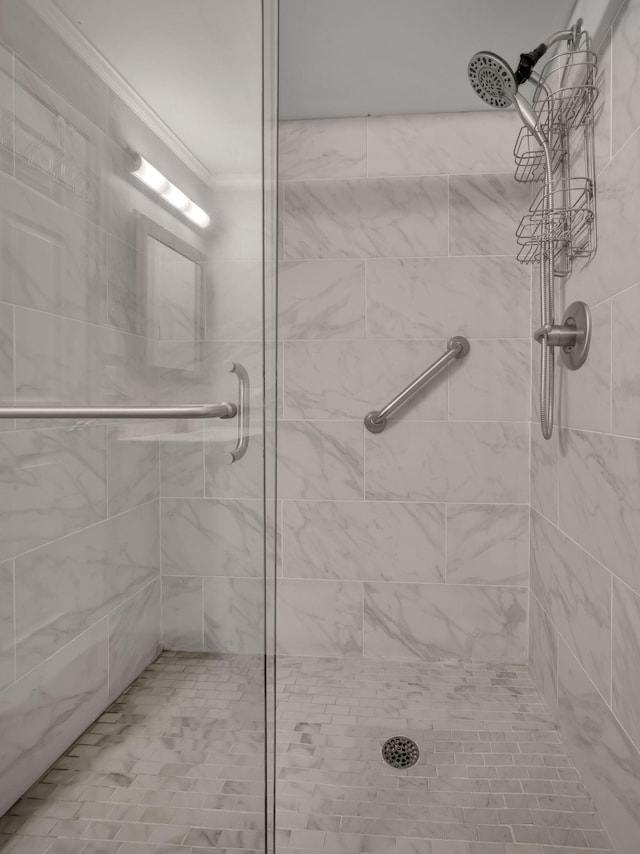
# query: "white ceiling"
379,57
197,64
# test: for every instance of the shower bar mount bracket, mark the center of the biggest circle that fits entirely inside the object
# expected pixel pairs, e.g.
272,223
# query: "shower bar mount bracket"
573,335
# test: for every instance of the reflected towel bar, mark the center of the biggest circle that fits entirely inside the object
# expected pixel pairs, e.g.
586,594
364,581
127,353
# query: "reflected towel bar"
206,410
457,348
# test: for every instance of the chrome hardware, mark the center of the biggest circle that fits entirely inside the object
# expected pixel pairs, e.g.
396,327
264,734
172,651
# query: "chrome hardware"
573,336
560,226
457,348
207,410
243,413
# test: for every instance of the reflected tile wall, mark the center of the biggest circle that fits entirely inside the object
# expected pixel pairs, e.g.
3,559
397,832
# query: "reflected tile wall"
64,587
7,628
62,697
373,284
134,637
585,623
79,509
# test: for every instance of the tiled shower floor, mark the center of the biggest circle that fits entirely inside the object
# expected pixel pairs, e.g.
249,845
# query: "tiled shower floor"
176,765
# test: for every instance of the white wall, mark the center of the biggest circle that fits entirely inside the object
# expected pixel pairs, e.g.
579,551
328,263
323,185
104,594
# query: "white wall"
585,576
398,233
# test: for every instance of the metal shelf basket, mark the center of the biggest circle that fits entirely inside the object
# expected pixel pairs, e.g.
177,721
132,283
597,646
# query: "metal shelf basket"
569,224
564,99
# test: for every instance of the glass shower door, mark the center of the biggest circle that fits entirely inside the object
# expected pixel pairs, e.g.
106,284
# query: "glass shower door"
136,552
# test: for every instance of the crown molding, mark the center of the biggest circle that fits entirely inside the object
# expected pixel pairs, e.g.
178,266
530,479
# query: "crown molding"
79,44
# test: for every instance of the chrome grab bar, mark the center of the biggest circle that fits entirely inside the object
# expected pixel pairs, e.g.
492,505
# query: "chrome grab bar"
206,410
457,348
243,413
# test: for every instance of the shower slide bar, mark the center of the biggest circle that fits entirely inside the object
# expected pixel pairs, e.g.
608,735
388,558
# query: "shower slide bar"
457,348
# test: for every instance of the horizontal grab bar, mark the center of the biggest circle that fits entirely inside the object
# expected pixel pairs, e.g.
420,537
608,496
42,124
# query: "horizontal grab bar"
205,410
457,348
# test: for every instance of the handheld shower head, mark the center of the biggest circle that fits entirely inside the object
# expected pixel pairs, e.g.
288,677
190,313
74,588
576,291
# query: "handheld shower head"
495,83
492,79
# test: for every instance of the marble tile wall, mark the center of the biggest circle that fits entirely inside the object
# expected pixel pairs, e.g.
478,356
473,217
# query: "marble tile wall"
414,543
80,588
585,483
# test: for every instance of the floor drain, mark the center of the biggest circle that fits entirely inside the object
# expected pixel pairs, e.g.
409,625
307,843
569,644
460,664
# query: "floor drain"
400,752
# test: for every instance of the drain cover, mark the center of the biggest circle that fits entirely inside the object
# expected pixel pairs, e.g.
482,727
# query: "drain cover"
400,752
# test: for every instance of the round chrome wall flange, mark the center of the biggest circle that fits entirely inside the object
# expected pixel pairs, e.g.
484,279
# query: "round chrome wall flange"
578,317
372,423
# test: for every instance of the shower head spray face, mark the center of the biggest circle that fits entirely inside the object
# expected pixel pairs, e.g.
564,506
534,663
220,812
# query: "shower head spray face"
492,79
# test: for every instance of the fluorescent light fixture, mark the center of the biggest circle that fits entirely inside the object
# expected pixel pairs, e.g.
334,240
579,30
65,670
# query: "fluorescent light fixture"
176,198
197,215
149,175
156,181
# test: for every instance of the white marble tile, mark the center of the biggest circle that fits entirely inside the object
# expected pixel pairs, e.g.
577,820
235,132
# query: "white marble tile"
62,360
320,460
441,297
544,473
54,482
492,382
242,479
484,212
134,637
606,758
575,591
442,143
7,625
626,67
366,218
134,465
584,396
543,654
602,129
42,714
234,300
127,308
66,586
50,258
182,461
615,266
625,657
182,613
323,148
7,126
449,461
347,379
6,356
373,540
600,498
436,621
212,537
319,618
488,544
234,615
626,353
321,299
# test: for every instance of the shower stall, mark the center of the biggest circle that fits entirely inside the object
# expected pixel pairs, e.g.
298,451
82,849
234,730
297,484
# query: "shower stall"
307,542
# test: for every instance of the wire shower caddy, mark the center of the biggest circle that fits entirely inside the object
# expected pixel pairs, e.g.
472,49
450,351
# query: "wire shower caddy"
561,218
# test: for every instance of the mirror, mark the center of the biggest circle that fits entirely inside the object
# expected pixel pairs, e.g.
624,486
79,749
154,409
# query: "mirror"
171,278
